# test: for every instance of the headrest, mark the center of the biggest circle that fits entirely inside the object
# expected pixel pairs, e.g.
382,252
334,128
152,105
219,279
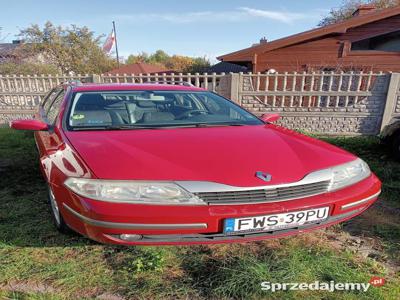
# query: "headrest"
90,101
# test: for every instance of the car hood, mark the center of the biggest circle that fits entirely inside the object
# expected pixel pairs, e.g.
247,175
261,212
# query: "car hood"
229,155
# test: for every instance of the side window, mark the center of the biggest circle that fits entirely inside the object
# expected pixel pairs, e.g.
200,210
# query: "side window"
55,108
184,101
212,105
389,42
45,97
215,106
49,99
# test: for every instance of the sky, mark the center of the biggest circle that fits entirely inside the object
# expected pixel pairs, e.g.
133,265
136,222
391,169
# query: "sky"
186,27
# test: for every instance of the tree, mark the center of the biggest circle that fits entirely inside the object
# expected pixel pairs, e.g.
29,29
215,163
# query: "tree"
199,65
159,56
345,11
70,49
140,58
179,63
12,68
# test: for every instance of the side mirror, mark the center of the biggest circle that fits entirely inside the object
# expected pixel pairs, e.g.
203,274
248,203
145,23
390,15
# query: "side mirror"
270,118
29,125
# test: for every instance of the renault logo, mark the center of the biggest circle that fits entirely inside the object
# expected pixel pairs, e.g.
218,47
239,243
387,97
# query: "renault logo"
263,176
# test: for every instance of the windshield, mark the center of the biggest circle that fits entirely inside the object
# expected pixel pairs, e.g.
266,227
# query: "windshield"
154,109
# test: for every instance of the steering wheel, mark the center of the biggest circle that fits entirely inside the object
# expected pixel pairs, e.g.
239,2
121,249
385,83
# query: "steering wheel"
193,112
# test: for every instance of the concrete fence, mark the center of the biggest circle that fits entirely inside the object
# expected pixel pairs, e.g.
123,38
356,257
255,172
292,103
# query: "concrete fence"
327,103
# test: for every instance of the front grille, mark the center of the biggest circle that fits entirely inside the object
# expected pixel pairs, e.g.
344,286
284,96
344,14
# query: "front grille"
265,195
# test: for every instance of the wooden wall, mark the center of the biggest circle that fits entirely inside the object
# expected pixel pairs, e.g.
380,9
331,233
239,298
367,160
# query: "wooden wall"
334,52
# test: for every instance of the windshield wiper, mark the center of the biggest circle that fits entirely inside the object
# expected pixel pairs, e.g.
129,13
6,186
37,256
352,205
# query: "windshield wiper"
217,124
115,127
160,126
191,125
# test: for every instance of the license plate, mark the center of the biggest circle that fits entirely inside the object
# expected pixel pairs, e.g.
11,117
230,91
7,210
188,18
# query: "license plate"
275,221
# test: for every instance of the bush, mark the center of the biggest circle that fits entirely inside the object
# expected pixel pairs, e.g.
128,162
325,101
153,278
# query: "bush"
27,69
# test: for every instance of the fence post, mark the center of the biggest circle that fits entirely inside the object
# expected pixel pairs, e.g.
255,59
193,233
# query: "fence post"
391,99
95,78
235,85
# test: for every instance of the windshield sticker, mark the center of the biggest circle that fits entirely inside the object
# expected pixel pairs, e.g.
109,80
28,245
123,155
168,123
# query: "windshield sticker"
78,117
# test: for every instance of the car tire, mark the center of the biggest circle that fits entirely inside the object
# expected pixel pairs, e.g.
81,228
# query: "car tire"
58,219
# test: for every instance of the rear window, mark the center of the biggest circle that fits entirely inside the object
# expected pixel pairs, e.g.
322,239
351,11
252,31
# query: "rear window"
154,109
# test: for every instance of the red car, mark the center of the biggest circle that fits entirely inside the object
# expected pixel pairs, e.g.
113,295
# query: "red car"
170,164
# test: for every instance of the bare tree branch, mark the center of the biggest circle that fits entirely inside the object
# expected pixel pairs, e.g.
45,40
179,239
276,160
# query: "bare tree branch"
348,7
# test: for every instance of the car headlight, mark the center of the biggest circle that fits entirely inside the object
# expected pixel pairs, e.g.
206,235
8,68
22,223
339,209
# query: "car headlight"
141,192
348,174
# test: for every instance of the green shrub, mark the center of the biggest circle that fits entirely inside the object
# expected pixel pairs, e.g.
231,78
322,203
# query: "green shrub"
27,69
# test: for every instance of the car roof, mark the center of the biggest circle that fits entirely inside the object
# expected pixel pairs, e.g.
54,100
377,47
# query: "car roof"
132,87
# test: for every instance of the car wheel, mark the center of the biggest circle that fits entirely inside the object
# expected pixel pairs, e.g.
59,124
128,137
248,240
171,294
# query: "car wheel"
56,214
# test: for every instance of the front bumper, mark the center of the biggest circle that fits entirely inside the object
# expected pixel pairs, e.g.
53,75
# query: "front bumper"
157,224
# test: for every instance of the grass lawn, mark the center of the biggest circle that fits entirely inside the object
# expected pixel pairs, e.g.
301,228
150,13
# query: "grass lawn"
36,262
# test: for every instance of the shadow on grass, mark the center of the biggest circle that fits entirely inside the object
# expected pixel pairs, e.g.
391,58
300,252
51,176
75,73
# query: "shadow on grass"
25,218
236,271
381,220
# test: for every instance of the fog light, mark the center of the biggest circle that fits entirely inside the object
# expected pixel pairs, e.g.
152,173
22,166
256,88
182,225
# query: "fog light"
130,237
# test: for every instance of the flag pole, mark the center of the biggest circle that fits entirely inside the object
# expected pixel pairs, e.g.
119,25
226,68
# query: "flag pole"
116,44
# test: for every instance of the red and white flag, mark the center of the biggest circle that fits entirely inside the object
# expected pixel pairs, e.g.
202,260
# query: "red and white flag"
109,43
